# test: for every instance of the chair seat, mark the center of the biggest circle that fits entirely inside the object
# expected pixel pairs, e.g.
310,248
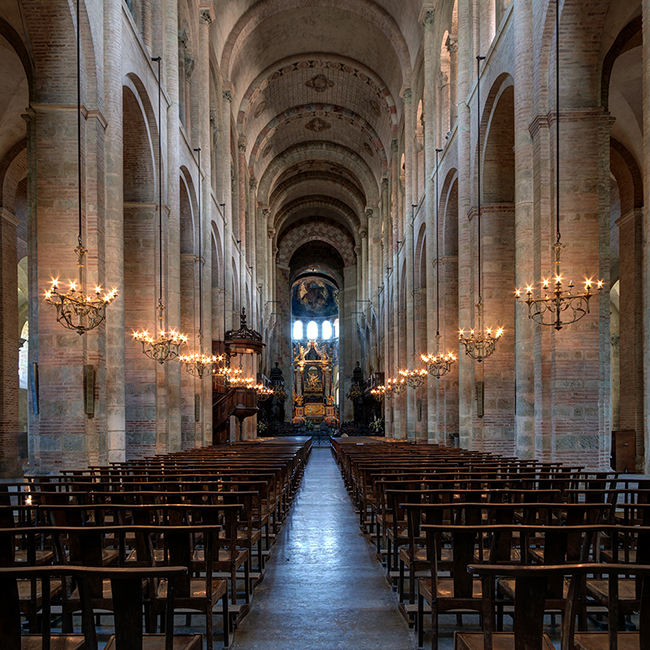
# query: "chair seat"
598,589
600,641
57,642
157,642
506,587
197,589
43,556
500,641
225,558
25,592
624,555
446,588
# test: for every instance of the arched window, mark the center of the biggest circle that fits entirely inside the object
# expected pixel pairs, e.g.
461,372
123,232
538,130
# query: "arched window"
297,329
312,330
327,330
336,328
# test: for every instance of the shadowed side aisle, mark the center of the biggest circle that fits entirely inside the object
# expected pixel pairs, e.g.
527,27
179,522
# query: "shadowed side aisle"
323,588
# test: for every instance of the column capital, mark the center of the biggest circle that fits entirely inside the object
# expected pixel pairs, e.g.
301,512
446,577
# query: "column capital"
363,233
205,16
252,183
242,144
394,145
227,95
369,213
270,232
427,15
384,182
266,211
452,43
407,95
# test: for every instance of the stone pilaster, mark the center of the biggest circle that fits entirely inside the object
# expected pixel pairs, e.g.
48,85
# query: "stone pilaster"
524,219
465,249
168,396
114,226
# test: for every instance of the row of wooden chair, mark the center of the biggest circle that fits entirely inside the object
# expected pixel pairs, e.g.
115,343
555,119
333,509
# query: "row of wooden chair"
433,511
219,512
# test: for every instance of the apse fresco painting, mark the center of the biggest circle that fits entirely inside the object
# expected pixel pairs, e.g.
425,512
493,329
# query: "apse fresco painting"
313,298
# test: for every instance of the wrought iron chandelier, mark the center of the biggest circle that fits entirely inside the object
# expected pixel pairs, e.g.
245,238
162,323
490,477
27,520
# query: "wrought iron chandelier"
438,364
198,363
556,306
76,310
379,392
479,343
167,344
263,392
414,378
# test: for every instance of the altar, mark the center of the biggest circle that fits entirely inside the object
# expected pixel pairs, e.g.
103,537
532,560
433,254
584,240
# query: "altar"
314,369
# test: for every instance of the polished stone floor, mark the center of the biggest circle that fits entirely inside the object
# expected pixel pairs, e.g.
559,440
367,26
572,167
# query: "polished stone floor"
323,588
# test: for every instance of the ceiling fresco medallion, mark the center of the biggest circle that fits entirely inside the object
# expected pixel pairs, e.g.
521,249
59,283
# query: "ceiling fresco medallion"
261,106
320,83
317,125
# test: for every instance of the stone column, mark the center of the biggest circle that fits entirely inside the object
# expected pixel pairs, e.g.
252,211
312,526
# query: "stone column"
524,220
402,339
205,136
242,204
631,331
226,184
452,46
365,269
427,16
465,250
146,24
9,389
114,227
168,436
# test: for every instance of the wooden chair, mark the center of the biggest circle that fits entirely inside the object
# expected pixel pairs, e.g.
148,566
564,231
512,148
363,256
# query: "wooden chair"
624,541
127,588
194,592
530,604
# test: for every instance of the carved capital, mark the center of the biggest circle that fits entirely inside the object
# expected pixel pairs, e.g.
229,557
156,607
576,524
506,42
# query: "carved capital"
394,145
363,232
427,17
227,95
369,213
266,212
407,95
252,183
384,183
241,145
270,233
452,44
205,16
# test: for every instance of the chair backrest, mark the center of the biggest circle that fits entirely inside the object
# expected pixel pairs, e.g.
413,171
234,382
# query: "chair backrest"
126,586
531,592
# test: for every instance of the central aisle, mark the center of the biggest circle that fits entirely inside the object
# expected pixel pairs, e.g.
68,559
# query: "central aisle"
323,588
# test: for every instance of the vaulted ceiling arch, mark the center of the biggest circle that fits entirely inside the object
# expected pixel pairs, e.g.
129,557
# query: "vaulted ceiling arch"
267,20
344,161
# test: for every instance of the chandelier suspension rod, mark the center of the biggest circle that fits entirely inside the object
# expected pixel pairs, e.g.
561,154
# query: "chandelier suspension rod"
200,257
478,163
437,255
79,237
557,121
158,59
413,206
